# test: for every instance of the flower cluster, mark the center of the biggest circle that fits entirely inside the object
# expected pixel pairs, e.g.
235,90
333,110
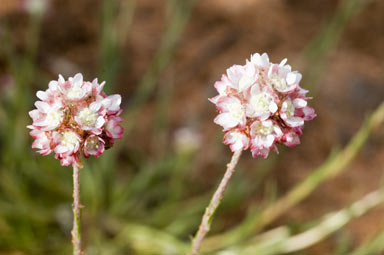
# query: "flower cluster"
260,105
75,116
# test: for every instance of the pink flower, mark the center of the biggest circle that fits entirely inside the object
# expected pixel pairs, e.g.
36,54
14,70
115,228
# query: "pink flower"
91,118
264,134
232,112
237,140
75,117
113,129
42,142
261,104
94,146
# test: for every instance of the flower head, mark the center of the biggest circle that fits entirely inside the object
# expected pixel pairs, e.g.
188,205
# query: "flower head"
261,104
75,117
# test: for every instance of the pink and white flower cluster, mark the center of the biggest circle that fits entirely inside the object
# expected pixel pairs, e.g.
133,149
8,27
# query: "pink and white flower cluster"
75,117
261,104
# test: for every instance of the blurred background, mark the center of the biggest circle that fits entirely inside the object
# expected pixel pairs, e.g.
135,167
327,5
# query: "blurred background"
147,194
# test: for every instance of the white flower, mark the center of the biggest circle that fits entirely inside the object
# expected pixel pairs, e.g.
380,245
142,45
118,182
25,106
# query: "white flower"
89,118
47,116
68,142
288,111
237,140
260,60
112,103
232,113
75,89
260,104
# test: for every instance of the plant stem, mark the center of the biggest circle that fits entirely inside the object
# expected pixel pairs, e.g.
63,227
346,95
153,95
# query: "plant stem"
214,204
76,207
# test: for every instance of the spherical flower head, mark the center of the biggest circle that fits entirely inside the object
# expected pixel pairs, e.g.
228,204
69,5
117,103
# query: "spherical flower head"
74,118
260,105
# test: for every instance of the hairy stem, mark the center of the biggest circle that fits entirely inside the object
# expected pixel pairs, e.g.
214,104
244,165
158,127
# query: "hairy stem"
76,207
214,204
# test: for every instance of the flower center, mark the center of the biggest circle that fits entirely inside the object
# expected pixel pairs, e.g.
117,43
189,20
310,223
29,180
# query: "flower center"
75,93
54,118
236,111
92,143
264,130
278,82
260,102
87,117
69,139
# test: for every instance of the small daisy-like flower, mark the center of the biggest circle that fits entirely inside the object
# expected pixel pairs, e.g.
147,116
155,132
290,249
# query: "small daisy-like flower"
75,117
261,104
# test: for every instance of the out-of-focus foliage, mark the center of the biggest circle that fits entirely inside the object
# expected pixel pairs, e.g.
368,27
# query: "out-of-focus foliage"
140,200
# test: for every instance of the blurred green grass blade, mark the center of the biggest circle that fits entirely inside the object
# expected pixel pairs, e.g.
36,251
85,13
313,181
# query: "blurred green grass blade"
160,139
116,18
145,240
318,51
333,222
344,243
372,246
179,17
332,167
175,28
280,241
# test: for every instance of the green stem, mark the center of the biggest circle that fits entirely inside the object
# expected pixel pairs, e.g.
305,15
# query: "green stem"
206,221
76,231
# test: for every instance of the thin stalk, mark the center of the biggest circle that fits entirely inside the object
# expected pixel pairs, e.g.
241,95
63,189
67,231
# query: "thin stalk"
76,231
205,225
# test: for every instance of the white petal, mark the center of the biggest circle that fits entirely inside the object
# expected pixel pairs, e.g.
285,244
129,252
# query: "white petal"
299,103
112,103
265,59
272,107
250,69
277,131
298,77
42,106
221,87
256,58
100,122
234,74
291,78
269,140
53,85
267,123
238,145
225,120
42,95
61,79
60,149
77,80
245,82
95,106
295,121
263,116
282,63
